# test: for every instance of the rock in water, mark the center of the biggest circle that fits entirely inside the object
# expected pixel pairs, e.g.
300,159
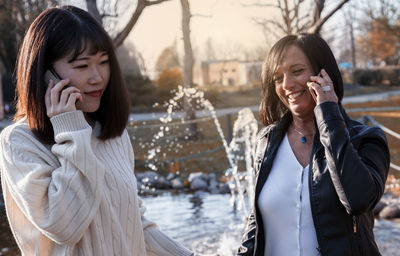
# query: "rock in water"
390,212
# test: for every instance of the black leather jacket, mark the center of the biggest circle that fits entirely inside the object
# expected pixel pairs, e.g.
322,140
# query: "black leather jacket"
349,165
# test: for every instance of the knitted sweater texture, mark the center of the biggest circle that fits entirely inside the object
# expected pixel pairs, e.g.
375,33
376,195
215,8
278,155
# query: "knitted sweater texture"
78,196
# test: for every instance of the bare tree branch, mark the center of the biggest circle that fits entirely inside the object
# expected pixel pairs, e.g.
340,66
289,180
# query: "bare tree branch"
265,22
115,6
106,15
122,35
53,3
316,28
291,14
260,5
103,8
202,15
148,3
92,9
317,10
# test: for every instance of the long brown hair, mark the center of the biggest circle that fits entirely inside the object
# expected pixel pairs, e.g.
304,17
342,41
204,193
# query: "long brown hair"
320,56
54,34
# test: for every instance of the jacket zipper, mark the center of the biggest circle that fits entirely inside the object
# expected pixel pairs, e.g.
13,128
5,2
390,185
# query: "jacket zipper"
354,224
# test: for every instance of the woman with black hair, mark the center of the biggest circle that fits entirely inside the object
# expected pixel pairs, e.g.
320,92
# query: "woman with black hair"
67,162
319,173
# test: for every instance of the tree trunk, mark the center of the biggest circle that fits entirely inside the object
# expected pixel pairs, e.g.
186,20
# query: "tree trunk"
318,7
123,34
318,21
92,9
353,47
188,62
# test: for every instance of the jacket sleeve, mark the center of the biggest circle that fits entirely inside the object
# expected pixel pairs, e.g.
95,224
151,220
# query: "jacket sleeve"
157,243
60,201
358,172
248,239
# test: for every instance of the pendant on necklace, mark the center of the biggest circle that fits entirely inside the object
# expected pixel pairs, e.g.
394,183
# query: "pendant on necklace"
303,140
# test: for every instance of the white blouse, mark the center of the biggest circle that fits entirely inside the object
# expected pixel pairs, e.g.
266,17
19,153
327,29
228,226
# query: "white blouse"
285,207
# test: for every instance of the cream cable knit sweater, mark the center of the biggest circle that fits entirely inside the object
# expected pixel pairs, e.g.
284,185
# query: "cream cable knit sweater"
77,197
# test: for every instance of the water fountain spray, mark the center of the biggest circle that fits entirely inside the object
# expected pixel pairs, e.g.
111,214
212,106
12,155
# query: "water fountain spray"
244,133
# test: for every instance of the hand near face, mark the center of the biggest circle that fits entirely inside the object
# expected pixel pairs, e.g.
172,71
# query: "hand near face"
61,99
323,88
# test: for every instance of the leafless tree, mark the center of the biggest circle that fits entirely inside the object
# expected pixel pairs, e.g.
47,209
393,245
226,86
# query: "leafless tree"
110,9
15,17
319,21
292,19
188,63
349,17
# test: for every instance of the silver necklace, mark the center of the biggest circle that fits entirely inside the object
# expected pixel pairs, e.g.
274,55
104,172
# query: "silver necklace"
303,138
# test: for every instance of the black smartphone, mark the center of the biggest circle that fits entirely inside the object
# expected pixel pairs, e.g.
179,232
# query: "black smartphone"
312,92
51,74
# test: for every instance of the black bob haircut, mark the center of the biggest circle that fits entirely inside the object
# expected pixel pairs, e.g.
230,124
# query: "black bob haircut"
54,34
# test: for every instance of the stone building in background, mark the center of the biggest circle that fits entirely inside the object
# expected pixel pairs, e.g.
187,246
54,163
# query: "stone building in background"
227,73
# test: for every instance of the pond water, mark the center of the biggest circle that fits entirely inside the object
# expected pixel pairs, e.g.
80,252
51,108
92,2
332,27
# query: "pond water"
209,224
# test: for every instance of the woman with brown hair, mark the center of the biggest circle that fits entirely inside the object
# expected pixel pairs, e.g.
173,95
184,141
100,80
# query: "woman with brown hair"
319,173
67,162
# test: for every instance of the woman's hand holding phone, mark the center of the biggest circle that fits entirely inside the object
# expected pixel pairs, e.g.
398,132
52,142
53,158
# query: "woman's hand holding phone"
321,88
60,98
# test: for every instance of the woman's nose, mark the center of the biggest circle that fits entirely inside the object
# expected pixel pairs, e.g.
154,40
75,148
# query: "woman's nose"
287,83
95,76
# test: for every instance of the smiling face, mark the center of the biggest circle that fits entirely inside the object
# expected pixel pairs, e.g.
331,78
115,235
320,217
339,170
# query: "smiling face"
88,72
290,79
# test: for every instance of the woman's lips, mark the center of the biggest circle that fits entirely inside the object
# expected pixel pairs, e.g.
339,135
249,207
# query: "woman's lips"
294,96
95,94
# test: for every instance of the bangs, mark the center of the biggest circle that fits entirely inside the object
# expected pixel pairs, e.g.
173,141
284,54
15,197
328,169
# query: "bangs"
80,43
72,36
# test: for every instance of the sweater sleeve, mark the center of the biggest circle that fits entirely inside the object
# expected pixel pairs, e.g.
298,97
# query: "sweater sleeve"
61,202
157,243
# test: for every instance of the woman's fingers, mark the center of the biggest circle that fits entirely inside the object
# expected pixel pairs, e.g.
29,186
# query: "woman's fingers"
56,90
65,94
323,86
61,99
318,79
326,76
314,87
73,98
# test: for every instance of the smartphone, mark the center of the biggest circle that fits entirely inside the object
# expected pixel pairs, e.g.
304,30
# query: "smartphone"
51,74
312,91
313,94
